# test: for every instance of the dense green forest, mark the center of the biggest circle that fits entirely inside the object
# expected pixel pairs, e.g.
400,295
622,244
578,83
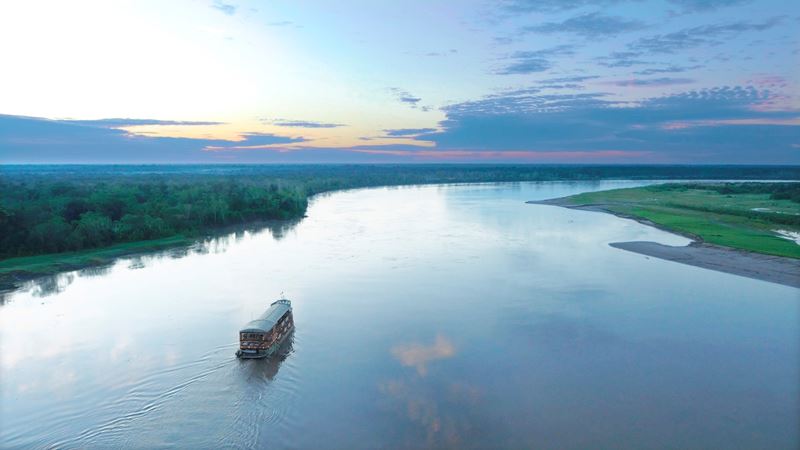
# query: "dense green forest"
52,209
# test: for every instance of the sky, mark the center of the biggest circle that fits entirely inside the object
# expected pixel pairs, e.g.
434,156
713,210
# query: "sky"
494,81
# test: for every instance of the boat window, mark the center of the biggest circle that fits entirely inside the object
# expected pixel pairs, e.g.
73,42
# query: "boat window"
252,336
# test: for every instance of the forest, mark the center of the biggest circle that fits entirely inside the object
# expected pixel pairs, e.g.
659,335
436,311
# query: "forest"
52,209
776,191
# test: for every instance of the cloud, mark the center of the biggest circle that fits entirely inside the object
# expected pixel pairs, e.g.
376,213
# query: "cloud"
447,53
402,132
527,6
253,141
591,25
562,86
573,82
652,82
535,61
225,8
621,59
573,79
405,96
120,123
668,69
721,125
518,156
305,124
37,140
728,124
698,36
706,5
524,101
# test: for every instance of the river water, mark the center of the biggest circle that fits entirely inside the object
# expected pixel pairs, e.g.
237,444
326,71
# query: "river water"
435,316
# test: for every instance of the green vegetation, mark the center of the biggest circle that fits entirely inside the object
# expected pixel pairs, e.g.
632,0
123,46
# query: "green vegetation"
68,216
57,216
738,215
43,264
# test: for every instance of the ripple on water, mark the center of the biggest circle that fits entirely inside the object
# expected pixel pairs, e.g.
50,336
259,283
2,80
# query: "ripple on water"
145,397
261,402
245,388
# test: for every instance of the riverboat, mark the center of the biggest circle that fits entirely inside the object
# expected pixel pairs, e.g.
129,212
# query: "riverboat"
262,337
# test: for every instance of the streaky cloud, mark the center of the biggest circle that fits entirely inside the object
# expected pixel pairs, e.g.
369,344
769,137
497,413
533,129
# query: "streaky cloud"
706,5
549,6
621,59
254,141
591,26
572,79
668,69
719,125
37,140
305,124
652,82
119,123
525,62
403,132
225,8
698,36
405,97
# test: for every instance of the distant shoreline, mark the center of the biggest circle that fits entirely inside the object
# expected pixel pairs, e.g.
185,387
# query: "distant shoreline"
773,269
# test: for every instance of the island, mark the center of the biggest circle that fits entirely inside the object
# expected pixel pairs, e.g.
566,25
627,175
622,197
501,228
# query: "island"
750,229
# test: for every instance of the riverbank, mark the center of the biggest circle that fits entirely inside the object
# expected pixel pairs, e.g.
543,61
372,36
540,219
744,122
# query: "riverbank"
774,269
14,271
60,218
700,253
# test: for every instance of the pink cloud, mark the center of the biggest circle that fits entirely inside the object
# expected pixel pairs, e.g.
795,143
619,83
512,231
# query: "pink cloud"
511,155
713,123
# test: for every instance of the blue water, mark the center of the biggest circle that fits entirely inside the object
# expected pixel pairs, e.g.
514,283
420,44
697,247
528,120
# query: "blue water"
437,316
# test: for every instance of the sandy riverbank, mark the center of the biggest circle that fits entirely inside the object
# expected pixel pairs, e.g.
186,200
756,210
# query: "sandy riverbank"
775,269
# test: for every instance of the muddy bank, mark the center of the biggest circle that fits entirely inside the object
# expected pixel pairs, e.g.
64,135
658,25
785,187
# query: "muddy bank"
774,269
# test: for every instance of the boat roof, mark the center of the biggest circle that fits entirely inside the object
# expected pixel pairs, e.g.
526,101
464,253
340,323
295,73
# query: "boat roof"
270,317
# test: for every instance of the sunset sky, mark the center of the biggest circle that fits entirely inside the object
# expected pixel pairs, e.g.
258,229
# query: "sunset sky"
540,81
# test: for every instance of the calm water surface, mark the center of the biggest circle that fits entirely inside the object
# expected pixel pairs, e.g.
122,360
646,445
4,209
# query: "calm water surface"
440,316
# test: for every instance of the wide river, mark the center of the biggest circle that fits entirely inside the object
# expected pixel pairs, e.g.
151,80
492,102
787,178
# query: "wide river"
435,316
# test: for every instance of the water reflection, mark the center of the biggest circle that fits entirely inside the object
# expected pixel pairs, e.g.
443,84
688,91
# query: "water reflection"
443,411
50,284
96,271
419,355
216,243
266,369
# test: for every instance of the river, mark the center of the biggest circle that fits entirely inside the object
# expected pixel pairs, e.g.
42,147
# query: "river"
430,316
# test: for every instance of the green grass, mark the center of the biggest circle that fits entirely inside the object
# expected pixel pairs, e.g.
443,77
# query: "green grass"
27,266
726,220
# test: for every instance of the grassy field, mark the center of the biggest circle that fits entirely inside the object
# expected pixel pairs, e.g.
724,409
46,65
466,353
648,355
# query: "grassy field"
746,221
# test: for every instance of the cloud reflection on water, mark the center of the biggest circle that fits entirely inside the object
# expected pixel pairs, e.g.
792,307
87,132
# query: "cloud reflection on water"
442,412
419,355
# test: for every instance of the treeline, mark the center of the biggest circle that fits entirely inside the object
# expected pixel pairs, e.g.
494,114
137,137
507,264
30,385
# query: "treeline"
50,209
51,217
776,191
